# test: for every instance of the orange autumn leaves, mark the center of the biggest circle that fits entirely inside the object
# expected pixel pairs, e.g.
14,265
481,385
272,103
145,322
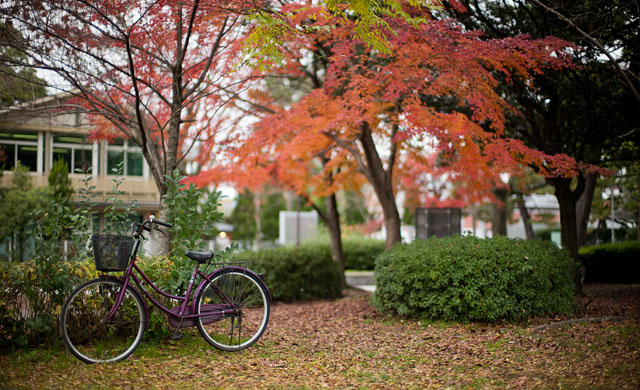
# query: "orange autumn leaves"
435,97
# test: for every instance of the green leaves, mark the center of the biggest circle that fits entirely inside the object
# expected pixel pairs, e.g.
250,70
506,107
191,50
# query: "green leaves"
273,28
118,214
297,272
470,279
193,214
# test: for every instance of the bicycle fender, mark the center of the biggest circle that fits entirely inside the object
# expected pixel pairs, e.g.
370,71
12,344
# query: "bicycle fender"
213,274
142,299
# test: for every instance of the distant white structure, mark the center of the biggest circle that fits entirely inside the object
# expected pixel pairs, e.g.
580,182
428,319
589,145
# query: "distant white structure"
297,226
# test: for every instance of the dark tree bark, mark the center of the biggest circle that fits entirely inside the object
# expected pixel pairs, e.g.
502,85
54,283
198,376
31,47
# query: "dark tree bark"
567,200
499,213
333,225
381,181
583,208
526,217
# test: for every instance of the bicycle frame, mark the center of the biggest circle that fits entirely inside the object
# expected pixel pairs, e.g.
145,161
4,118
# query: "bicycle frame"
129,274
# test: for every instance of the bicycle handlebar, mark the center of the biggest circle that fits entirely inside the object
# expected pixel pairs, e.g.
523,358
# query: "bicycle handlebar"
153,219
146,225
162,223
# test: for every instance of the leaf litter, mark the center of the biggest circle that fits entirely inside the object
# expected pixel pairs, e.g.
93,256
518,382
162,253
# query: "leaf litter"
346,344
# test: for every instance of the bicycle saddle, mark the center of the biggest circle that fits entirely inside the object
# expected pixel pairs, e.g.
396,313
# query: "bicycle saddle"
200,257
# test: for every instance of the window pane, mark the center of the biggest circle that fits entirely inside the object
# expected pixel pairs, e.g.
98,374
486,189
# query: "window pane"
29,137
69,139
7,157
62,154
28,156
113,159
134,164
82,159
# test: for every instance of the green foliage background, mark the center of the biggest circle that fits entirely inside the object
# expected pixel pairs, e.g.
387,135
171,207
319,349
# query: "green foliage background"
612,263
297,272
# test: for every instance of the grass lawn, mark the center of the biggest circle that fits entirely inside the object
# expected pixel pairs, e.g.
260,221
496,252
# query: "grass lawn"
346,344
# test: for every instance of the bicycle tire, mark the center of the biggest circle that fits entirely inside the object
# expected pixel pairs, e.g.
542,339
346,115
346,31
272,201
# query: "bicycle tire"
234,332
88,336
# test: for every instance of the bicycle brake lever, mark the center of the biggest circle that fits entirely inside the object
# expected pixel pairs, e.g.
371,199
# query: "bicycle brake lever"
155,227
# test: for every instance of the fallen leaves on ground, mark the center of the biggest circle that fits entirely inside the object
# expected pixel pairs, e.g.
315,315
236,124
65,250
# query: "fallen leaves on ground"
346,344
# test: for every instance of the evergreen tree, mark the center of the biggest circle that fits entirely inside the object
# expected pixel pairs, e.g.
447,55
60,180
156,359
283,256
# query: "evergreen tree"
59,180
242,218
19,201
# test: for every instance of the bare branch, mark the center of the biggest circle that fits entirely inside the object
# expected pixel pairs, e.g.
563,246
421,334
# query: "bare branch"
593,41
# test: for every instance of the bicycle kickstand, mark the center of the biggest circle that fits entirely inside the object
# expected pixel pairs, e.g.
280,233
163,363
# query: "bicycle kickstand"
177,334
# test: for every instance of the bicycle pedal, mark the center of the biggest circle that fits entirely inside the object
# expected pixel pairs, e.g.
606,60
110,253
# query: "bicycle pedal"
176,336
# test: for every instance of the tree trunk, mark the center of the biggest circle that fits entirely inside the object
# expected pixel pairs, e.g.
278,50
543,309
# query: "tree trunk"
526,217
333,225
637,212
164,240
568,224
392,223
257,206
583,208
499,213
381,181
567,200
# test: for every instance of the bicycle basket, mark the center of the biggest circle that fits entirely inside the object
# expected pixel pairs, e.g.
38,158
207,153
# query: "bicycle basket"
111,252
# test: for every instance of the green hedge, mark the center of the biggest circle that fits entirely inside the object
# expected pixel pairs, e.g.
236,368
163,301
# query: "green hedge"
297,273
612,263
471,279
361,253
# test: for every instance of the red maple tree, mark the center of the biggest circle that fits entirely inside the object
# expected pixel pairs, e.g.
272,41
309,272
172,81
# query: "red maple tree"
436,89
156,72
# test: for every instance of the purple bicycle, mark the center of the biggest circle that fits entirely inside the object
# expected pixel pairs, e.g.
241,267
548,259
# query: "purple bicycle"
104,319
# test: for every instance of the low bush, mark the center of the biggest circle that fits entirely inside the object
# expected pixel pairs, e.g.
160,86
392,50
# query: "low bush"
31,296
297,272
361,253
612,263
472,279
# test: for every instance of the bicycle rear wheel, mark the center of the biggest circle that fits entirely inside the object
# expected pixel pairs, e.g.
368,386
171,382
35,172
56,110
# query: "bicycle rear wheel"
241,329
85,332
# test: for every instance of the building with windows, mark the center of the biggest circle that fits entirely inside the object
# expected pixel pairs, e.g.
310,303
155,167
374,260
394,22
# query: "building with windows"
40,132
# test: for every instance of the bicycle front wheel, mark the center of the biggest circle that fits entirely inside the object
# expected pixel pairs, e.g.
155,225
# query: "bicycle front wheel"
88,335
242,328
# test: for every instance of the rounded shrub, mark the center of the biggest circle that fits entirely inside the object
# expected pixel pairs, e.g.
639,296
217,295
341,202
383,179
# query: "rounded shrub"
472,279
302,272
612,263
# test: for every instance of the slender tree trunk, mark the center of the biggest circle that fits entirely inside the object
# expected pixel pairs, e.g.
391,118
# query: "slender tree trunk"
20,247
257,204
333,225
637,212
381,181
499,217
526,217
583,208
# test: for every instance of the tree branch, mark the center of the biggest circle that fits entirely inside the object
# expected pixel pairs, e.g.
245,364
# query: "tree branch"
592,40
